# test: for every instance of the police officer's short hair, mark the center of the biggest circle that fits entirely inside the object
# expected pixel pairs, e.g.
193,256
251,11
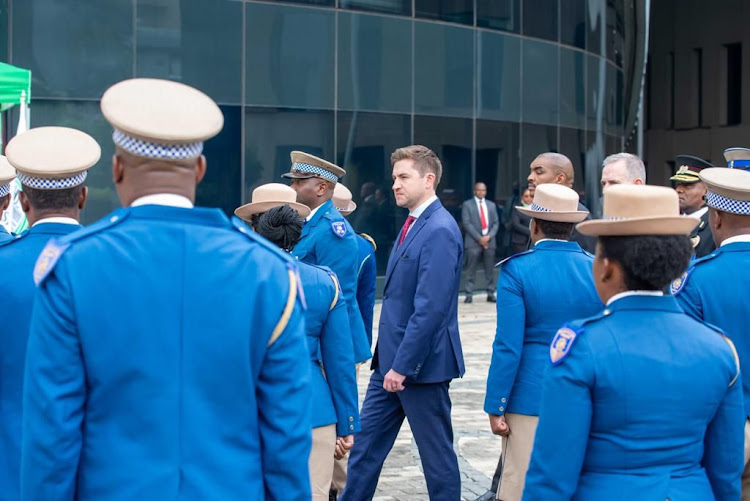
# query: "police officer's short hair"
633,165
50,200
650,262
424,158
552,229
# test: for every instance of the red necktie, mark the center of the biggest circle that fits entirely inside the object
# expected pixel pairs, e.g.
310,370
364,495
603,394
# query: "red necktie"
481,215
407,224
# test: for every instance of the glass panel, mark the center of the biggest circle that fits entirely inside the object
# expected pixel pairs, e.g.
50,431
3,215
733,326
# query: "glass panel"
573,23
198,42
4,30
500,82
365,143
540,82
454,11
450,139
85,116
596,35
402,7
444,73
612,101
289,56
615,31
222,185
499,15
374,69
271,134
497,167
596,92
596,150
536,139
76,48
572,144
540,19
325,3
572,89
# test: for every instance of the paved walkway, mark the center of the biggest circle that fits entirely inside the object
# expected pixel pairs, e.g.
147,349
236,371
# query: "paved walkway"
478,450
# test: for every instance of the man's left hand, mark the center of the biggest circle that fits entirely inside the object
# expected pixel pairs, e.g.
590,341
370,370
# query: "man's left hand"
393,381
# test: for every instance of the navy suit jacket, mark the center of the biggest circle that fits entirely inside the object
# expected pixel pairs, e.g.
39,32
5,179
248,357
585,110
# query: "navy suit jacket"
418,333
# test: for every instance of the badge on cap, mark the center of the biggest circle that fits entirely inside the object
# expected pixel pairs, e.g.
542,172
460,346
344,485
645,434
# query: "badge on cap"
561,345
678,284
47,259
338,228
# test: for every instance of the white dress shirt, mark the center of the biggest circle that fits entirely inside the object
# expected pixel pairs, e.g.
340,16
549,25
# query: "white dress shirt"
168,199
60,220
482,208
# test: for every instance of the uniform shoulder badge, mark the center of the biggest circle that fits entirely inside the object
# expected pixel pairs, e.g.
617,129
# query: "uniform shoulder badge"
561,344
47,260
339,228
369,239
513,257
678,283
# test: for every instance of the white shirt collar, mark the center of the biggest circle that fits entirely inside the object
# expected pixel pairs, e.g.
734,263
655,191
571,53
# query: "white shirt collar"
633,293
419,210
699,212
478,200
736,238
59,220
168,199
312,212
550,240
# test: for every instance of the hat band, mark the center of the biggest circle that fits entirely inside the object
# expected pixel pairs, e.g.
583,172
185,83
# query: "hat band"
155,150
4,189
739,164
50,183
304,168
539,208
725,204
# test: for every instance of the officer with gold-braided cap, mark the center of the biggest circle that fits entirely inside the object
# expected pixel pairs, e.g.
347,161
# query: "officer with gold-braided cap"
165,345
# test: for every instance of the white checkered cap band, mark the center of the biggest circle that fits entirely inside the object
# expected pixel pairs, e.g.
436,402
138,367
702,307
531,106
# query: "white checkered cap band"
314,169
154,150
539,208
4,189
725,204
50,183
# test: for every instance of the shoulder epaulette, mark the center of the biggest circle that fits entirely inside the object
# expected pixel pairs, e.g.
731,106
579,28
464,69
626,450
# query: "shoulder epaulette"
679,283
563,341
369,239
513,257
587,253
286,314
334,278
731,347
55,248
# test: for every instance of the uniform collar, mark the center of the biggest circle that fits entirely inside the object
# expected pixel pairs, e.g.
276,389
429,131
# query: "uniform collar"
699,212
735,239
640,301
419,210
634,293
198,215
167,199
313,212
551,240
58,220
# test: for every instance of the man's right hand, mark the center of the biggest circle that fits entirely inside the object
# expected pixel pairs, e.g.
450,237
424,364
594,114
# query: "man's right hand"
343,444
498,425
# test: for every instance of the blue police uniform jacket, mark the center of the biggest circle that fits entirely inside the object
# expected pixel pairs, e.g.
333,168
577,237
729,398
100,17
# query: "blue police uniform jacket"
328,239
4,235
329,342
418,332
164,363
538,291
642,403
714,290
366,282
17,258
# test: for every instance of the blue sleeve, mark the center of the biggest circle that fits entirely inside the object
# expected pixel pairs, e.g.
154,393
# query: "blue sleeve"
338,363
439,269
283,394
366,292
54,394
506,350
723,453
564,424
690,300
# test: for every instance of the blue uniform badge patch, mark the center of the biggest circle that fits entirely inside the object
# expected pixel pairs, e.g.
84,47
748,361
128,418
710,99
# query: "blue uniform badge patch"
338,228
678,283
561,344
47,259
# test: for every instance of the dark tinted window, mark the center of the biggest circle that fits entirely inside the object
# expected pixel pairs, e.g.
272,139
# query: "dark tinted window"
499,15
536,139
499,88
454,11
572,88
402,7
222,185
540,82
573,23
540,19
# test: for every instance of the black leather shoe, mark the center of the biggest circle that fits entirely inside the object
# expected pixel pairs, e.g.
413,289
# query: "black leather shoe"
468,299
491,298
333,495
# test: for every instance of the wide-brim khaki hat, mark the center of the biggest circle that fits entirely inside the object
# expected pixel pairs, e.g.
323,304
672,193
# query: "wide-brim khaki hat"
639,210
7,172
342,200
305,166
728,190
268,196
555,203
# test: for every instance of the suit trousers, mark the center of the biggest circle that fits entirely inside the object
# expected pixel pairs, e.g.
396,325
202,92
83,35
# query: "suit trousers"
321,461
428,409
475,254
517,447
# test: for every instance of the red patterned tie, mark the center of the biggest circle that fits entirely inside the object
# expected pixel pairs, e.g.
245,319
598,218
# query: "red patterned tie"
482,216
407,224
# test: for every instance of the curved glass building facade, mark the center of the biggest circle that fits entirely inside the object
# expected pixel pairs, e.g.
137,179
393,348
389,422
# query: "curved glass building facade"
487,84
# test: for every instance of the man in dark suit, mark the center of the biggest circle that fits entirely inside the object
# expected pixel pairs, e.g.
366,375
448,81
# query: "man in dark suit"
692,193
418,350
479,217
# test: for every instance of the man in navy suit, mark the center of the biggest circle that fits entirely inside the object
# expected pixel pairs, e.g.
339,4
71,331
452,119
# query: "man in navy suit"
419,349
